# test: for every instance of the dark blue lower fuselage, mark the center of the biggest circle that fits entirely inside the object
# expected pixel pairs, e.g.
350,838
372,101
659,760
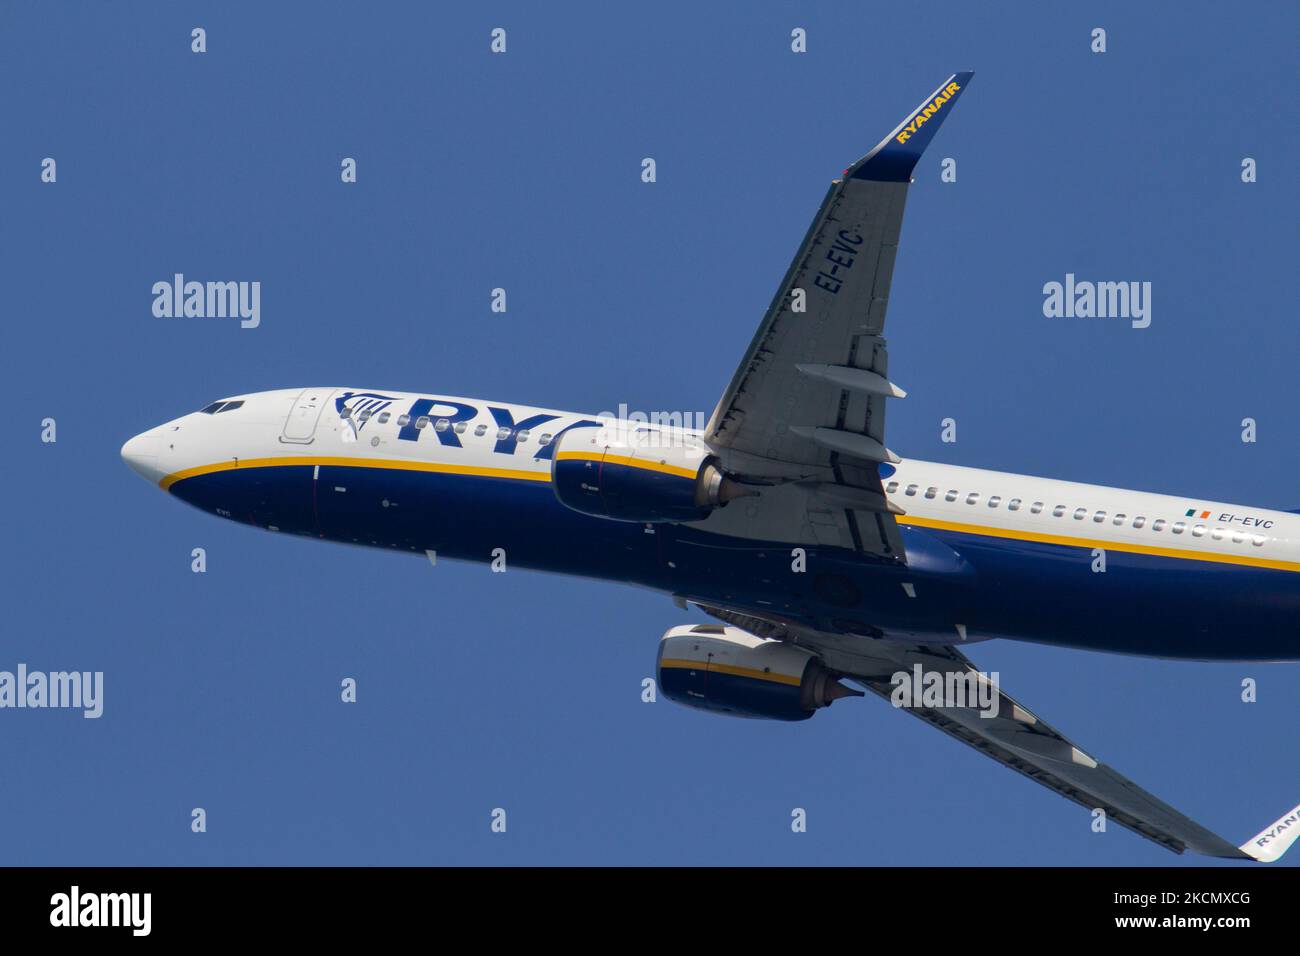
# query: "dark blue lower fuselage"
994,587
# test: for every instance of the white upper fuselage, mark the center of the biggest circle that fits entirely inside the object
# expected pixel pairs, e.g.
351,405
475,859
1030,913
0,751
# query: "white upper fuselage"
931,495
1002,504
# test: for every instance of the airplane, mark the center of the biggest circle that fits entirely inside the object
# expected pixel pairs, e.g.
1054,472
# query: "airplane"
823,556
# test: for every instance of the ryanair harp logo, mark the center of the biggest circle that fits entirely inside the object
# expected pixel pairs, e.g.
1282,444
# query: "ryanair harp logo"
357,408
927,112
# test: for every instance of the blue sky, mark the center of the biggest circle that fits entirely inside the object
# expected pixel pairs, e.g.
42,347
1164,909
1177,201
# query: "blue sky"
522,691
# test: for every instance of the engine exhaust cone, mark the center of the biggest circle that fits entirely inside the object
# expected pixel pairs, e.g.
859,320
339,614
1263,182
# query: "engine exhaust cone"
835,690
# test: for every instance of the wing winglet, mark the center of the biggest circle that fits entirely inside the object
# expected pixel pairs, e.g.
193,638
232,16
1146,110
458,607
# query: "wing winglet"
1269,844
897,154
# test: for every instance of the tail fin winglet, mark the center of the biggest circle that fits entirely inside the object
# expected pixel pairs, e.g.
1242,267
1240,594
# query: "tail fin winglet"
1269,844
897,154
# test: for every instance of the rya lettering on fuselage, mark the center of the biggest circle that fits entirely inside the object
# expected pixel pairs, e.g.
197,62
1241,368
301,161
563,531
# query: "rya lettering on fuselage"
448,419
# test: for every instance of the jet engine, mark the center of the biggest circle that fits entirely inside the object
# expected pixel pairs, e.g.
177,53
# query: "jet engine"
631,472
729,671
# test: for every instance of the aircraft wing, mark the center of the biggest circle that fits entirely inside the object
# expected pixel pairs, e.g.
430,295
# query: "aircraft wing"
1019,739
812,387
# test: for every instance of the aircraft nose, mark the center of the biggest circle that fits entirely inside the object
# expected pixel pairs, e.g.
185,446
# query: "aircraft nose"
141,455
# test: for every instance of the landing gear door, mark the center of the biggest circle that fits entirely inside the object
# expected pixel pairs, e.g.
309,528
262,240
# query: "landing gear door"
300,426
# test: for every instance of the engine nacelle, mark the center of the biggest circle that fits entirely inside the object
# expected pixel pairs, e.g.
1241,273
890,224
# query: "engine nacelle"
730,671
631,472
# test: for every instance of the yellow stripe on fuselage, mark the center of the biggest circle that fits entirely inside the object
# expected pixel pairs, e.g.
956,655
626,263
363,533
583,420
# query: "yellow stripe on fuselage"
388,463
731,669
1243,560
1124,546
643,464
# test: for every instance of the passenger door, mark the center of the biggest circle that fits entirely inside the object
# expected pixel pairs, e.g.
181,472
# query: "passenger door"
300,425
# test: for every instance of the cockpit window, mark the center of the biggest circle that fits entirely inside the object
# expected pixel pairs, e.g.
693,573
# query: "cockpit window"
222,406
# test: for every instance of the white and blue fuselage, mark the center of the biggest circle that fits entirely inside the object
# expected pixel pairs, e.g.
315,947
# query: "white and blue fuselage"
787,517
989,554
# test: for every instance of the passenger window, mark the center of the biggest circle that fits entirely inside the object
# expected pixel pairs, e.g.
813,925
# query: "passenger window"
1238,537
503,434
544,440
973,497
1036,507
460,428
1158,524
1079,513
951,495
523,435
480,430
1013,504
995,501
1139,521
1198,531
1178,527
1217,534
383,418
1099,517
1257,540
910,490
931,492
1120,519
422,421
1058,511
891,487
441,425
364,416
403,420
